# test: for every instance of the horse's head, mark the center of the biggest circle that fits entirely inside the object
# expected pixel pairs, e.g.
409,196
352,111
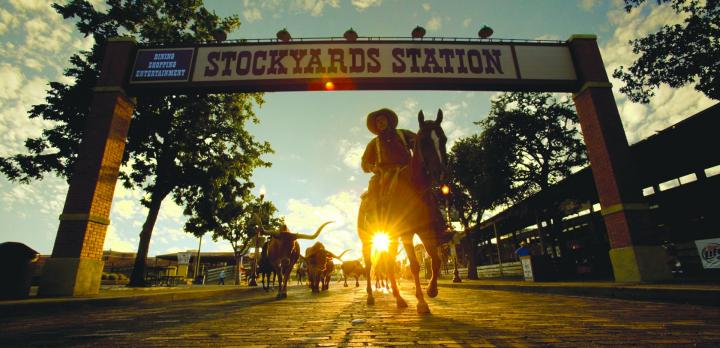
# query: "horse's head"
430,147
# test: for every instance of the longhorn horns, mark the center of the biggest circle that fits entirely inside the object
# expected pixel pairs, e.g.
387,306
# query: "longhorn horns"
317,233
339,257
297,235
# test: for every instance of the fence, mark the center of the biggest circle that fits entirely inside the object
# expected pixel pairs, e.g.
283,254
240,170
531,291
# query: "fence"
507,270
213,275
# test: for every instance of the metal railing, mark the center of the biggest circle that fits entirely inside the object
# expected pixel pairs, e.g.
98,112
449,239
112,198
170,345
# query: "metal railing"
359,39
213,275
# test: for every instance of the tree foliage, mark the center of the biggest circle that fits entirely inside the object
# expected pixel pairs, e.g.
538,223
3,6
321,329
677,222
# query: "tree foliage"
175,144
480,175
480,180
540,137
229,211
677,55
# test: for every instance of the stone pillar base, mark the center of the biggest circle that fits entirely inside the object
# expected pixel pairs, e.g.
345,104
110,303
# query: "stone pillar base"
70,277
640,264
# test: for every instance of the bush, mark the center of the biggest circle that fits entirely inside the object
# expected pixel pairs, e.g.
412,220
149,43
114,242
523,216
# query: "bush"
112,276
104,276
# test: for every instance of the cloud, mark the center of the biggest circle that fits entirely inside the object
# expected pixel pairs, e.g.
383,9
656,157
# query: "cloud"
30,5
588,5
426,7
12,79
548,37
351,153
314,7
113,241
7,21
362,5
305,217
434,23
466,22
252,14
126,209
669,105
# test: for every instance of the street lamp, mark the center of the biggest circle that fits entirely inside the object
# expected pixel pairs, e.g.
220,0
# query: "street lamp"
446,192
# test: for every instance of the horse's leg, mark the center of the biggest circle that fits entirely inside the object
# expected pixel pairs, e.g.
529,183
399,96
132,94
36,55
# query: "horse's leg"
422,306
390,267
345,279
432,250
367,248
357,281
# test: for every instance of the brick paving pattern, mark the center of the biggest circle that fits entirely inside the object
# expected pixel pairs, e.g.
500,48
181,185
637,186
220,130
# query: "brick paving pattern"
340,317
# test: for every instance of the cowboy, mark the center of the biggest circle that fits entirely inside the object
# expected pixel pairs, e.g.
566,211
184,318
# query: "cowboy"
385,154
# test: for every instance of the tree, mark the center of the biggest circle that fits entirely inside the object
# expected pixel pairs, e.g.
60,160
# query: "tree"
176,143
542,139
480,180
677,55
230,212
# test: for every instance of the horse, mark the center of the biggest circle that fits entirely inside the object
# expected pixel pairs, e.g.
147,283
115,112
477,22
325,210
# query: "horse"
411,209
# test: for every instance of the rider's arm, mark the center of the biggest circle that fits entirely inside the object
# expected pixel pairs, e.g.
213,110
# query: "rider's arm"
369,158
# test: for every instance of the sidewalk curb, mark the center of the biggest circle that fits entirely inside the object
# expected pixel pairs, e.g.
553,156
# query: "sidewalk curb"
687,296
69,303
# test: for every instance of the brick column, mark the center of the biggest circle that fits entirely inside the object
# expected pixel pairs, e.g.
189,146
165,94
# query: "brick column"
634,253
76,263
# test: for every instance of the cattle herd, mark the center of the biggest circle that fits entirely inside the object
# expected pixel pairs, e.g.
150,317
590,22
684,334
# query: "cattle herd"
281,253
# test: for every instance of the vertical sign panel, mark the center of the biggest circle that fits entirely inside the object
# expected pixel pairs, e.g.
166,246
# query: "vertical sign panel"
162,65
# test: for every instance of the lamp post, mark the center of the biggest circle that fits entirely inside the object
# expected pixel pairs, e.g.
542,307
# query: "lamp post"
253,281
446,192
196,270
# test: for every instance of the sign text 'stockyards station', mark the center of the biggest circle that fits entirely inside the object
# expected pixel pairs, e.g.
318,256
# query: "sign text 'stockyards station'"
366,65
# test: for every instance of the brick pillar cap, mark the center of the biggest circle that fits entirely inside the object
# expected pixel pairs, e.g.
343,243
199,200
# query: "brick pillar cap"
122,39
582,37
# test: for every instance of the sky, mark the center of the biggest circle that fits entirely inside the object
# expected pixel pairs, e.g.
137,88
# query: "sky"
318,137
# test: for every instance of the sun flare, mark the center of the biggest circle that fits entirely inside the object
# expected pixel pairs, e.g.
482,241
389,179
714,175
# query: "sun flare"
381,241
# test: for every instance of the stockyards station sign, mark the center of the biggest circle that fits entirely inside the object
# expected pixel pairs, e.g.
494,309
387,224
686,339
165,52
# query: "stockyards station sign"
344,65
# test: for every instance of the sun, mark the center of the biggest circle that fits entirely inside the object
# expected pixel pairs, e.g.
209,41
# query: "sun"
381,241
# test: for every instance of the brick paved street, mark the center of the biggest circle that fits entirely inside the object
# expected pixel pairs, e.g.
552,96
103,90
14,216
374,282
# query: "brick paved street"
461,317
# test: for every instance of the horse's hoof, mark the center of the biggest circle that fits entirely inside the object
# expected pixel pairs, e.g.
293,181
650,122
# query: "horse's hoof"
432,291
422,308
370,300
280,296
345,285
401,303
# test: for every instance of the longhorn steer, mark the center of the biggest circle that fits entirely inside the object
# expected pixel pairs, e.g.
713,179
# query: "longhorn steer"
320,266
382,270
283,253
352,268
330,268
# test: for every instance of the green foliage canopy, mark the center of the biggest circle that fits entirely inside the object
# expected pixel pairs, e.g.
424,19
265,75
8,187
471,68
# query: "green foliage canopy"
541,137
677,55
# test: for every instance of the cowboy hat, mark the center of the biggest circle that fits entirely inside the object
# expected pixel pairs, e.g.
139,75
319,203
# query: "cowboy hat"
389,114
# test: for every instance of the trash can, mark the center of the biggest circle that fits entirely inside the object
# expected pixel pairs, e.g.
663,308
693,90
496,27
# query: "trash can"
17,260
